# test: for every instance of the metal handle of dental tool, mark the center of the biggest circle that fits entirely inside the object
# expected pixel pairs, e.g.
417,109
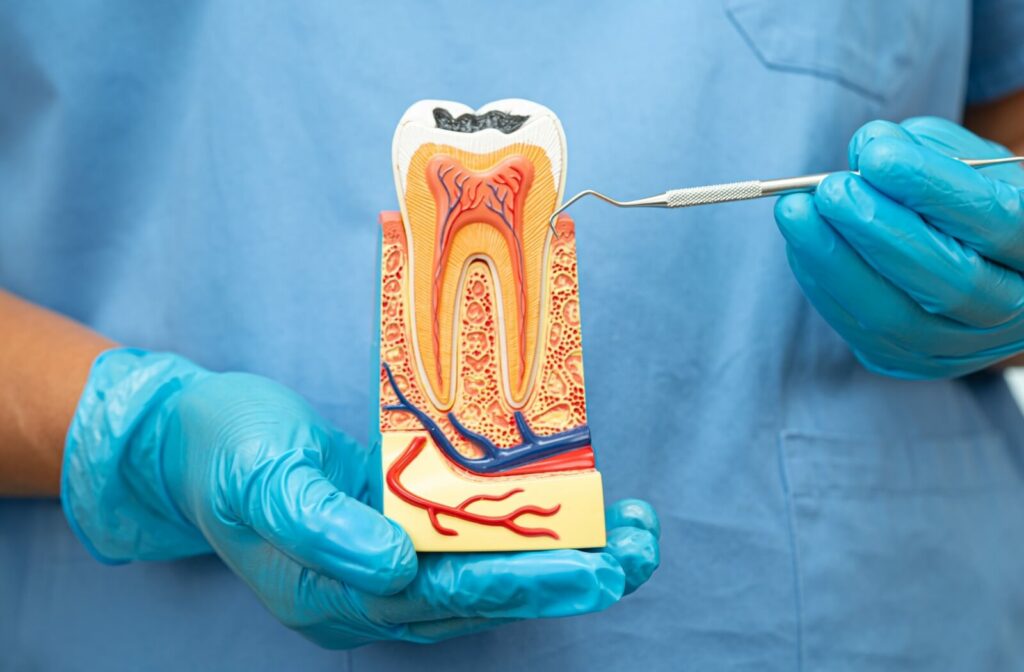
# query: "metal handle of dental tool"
736,191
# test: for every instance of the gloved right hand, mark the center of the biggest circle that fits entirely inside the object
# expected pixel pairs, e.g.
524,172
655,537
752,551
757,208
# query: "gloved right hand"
165,459
917,260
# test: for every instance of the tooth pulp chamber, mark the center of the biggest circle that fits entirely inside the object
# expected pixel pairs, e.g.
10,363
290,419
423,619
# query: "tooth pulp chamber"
488,206
494,198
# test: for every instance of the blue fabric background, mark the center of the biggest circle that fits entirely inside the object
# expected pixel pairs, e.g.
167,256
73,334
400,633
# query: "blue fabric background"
205,178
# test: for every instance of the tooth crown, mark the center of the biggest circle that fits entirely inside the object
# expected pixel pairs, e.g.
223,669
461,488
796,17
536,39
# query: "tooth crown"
480,335
484,194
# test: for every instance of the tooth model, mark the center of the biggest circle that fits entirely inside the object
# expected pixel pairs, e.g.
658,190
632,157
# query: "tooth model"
483,422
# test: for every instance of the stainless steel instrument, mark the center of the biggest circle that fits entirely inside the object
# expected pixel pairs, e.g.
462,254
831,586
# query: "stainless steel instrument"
735,191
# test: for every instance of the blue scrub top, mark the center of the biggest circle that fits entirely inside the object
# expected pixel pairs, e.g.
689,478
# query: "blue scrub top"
205,178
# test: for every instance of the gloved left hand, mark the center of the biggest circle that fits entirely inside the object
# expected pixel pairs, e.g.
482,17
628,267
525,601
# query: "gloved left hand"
917,262
165,460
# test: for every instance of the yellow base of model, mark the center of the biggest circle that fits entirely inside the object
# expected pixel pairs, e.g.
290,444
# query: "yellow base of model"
578,521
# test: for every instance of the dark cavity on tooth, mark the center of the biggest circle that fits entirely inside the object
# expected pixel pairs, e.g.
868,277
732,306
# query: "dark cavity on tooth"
471,123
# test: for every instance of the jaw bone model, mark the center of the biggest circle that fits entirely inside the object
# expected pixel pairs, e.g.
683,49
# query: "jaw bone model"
484,436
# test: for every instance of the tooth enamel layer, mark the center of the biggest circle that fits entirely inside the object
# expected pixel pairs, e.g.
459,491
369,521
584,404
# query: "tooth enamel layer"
479,197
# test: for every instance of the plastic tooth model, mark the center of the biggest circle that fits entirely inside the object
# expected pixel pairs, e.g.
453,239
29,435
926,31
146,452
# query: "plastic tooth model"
483,422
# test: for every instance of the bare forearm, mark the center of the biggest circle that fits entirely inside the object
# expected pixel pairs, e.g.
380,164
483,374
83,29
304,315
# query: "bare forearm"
1018,149
1002,121
44,362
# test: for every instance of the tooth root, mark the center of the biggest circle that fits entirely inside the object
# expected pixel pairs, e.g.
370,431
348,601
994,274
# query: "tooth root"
479,241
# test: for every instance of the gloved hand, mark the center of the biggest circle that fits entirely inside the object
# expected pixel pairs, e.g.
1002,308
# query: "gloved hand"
165,459
916,262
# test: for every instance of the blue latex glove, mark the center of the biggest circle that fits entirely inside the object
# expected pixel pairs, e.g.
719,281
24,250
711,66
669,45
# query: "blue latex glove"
165,459
917,262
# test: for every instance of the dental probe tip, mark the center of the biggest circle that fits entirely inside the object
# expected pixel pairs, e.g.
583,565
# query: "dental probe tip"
597,194
560,209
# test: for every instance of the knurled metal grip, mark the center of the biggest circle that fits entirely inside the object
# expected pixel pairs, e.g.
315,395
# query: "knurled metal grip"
714,193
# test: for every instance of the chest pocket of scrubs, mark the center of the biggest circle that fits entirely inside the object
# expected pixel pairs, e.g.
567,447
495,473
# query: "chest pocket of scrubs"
864,45
908,556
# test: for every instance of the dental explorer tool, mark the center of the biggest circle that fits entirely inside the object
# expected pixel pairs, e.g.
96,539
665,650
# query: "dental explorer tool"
736,191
